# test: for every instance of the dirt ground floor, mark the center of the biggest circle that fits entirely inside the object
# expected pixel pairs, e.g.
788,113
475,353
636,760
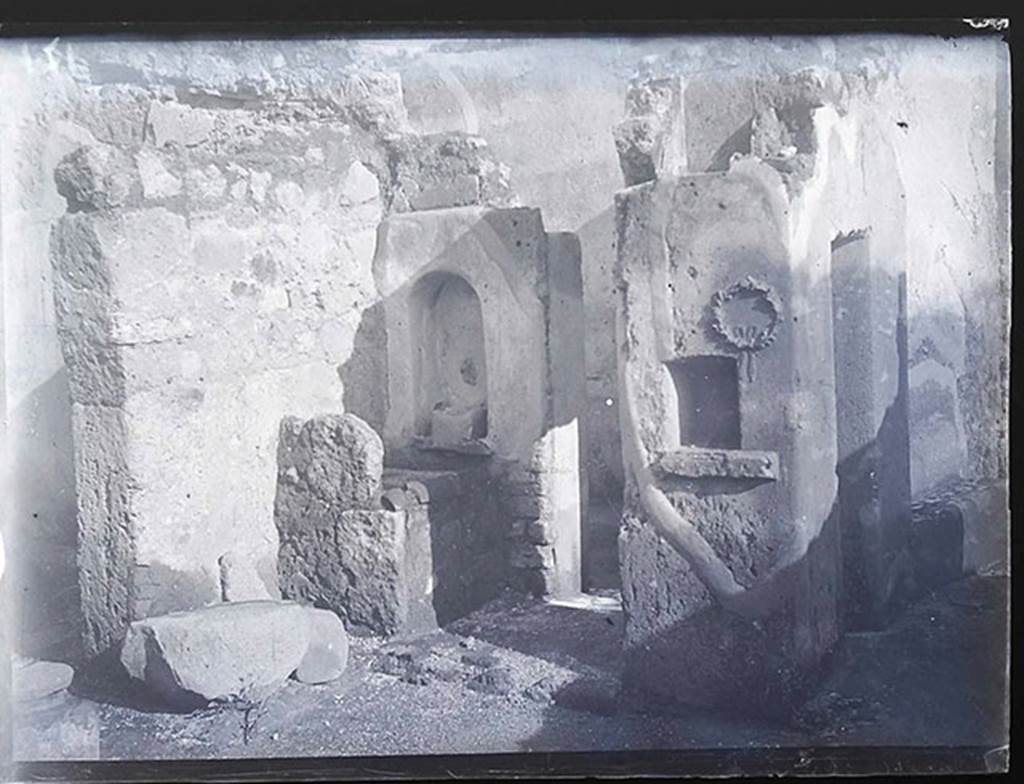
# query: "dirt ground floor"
521,675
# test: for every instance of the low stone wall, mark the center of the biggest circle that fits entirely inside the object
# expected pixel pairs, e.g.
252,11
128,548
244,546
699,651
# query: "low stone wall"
460,520
531,553
433,553
960,527
366,565
543,552
339,550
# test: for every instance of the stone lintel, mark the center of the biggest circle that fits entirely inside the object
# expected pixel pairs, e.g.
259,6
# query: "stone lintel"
475,446
700,462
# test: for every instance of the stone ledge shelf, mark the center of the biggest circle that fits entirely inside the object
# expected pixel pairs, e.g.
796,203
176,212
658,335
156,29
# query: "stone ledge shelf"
692,462
476,446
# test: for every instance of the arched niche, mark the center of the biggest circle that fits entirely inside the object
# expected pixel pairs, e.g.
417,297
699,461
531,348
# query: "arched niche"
450,365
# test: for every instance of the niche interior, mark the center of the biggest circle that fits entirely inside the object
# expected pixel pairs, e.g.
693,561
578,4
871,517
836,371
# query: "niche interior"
708,393
451,363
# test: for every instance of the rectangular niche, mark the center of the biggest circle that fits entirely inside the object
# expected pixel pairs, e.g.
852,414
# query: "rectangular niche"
708,391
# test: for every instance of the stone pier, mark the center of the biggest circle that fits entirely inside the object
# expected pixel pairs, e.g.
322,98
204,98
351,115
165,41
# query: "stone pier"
765,380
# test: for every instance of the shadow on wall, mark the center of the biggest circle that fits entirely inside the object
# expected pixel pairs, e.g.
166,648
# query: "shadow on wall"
749,672
364,373
879,574
471,524
685,648
758,687
873,472
41,525
602,445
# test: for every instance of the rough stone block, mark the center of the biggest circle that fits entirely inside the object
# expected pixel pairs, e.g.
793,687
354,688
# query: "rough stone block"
115,114
95,177
650,141
336,459
174,123
373,99
635,142
399,570
539,532
531,556
234,651
445,170
462,189
696,463
357,563
157,180
361,185
206,186
105,523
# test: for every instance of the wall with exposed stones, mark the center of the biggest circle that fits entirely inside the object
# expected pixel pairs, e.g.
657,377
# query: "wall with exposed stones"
946,103
213,274
841,178
210,277
943,105
529,288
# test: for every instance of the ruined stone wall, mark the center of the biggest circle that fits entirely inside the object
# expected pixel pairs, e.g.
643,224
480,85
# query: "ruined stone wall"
947,100
942,104
213,275
529,287
826,131
210,277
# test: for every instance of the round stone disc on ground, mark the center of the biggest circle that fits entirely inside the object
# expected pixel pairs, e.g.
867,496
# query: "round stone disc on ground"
33,680
327,655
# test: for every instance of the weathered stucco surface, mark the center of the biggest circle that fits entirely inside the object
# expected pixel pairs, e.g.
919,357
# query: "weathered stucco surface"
943,100
681,241
763,593
158,115
209,278
529,288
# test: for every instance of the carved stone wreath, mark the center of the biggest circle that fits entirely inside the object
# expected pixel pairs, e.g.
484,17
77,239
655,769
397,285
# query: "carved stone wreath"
751,328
